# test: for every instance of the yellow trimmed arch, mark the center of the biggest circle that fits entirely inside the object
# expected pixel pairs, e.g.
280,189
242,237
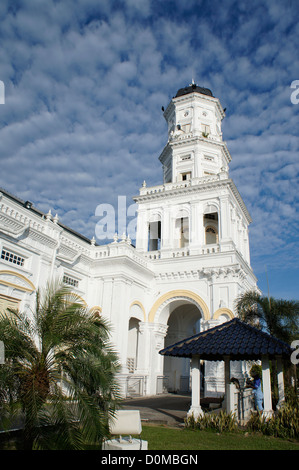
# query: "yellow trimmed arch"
136,302
179,293
223,311
30,287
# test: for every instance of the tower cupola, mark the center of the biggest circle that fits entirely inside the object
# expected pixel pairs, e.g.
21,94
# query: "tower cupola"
195,147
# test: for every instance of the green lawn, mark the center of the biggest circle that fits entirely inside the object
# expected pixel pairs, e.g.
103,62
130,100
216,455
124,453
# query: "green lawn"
164,438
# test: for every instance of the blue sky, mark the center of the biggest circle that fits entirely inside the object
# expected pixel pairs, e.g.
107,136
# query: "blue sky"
82,122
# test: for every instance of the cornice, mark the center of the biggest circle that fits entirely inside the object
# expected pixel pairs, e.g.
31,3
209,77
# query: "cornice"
210,274
180,189
194,139
240,201
42,238
11,227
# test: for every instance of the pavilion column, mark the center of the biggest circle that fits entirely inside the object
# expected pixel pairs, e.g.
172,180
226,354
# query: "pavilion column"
228,394
195,408
266,385
280,380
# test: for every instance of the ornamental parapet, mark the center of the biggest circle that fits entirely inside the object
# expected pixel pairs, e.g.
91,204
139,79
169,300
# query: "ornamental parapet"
145,191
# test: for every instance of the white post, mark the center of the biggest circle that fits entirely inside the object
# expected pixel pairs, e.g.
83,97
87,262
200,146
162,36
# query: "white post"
228,404
195,408
266,385
280,380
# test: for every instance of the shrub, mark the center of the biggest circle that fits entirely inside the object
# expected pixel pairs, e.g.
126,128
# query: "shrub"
284,423
217,422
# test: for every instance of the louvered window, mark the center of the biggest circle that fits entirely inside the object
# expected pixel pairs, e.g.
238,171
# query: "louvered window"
70,281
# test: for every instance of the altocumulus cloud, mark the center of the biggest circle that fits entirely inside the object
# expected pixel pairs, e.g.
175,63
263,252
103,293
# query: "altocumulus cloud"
85,82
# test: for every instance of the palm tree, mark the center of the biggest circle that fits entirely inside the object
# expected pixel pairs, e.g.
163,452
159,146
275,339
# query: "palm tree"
278,317
60,369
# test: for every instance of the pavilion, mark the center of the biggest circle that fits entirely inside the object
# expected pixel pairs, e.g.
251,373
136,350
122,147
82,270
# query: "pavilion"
232,341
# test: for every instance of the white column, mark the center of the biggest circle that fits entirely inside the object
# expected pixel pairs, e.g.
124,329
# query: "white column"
266,385
195,408
166,229
142,230
228,403
143,347
193,222
156,335
223,219
280,380
160,333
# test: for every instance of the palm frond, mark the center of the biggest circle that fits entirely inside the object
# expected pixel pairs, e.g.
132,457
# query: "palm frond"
58,361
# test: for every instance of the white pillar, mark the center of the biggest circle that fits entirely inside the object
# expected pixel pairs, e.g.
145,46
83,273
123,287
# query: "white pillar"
280,381
224,219
228,404
143,356
195,408
166,229
266,385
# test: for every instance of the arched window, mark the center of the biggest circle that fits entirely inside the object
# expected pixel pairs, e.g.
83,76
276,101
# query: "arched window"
154,236
182,231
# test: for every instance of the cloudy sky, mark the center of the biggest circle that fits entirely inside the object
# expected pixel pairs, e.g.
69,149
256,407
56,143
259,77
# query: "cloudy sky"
84,84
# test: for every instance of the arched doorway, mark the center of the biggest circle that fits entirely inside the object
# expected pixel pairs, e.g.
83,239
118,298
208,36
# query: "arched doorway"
175,315
184,320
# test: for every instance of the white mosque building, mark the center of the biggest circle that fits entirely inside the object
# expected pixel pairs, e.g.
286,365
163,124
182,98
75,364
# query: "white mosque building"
190,263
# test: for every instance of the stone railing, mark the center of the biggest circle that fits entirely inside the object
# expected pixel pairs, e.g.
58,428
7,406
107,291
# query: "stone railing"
145,191
119,248
183,252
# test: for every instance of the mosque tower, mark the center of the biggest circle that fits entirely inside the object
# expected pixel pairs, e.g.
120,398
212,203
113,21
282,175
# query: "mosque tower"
194,226
198,207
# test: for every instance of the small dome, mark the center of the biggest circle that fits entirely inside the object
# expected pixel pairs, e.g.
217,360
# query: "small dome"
193,88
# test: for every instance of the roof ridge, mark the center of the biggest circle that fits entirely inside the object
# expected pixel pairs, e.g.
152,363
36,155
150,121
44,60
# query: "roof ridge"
264,333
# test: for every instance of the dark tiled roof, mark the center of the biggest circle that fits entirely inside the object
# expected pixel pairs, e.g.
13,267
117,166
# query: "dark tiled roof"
193,89
234,338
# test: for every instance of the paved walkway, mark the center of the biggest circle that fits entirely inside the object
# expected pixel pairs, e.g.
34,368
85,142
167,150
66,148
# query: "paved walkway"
170,409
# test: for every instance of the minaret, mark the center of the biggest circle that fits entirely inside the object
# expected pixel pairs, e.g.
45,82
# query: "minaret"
195,147
198,209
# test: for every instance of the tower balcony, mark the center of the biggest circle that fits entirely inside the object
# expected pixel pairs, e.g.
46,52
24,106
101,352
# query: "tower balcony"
162,188
203,250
